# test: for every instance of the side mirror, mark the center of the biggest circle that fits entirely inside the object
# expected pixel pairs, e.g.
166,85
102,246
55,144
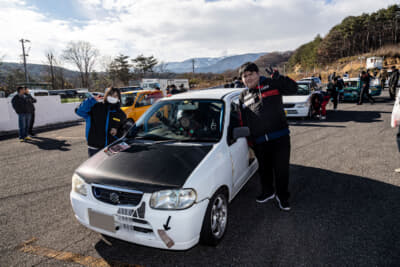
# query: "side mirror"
240,132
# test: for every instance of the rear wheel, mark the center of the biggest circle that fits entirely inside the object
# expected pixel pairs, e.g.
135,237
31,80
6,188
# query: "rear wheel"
215,220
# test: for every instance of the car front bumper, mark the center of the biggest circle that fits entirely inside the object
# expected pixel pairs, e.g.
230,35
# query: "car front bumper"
297,112
185,225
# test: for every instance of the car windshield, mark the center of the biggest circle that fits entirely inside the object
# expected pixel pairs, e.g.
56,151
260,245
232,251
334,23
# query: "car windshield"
303,89
127,99
351,84
181,120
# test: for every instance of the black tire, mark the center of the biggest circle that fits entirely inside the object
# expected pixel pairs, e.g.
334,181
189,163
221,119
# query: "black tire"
215,220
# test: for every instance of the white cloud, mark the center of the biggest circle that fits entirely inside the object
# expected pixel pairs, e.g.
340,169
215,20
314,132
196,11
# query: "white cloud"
177,29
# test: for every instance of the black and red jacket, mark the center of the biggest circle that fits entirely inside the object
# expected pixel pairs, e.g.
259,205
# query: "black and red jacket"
262,108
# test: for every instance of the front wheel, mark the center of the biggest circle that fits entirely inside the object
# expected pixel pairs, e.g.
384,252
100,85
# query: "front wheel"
215,220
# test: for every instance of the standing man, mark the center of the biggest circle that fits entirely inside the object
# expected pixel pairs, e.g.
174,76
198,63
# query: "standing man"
333,89
263,112
393,80
20,106
365,80
30,109
383,75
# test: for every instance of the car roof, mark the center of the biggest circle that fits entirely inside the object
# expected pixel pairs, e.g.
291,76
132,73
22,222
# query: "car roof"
304,82
130,92
38,90
218,93
309,78
351,79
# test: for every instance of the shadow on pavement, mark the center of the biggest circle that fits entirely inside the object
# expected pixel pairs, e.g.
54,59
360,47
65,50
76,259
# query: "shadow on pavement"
41,129
336,219
354,115
341,116
49,143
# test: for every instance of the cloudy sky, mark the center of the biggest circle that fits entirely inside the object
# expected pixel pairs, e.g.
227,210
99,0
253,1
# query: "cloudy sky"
170,30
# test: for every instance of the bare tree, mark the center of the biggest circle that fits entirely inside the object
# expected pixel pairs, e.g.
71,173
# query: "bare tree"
51,60
83,55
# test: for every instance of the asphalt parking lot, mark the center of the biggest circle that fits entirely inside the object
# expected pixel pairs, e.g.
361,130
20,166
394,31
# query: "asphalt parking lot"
345,203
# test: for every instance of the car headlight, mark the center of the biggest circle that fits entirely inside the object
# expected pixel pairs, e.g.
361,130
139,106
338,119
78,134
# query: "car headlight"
78,185
178,199
302,105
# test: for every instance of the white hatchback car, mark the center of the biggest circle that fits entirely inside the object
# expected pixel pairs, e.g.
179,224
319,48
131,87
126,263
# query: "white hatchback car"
299,105
168,182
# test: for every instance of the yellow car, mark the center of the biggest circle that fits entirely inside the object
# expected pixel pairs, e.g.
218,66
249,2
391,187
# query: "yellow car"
135,103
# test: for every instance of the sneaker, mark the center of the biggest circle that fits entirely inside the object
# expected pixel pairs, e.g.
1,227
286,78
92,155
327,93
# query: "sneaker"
283,204
22,140
28,138
264,197
397,170
323,118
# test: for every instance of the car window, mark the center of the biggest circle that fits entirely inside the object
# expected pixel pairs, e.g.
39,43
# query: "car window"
128,99
303,89
181,120
148,99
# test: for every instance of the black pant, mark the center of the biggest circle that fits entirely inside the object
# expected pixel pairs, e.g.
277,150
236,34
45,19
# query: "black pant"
365,91
334,97
30,128
273,159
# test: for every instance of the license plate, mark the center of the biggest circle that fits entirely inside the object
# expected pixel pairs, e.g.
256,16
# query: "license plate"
101,221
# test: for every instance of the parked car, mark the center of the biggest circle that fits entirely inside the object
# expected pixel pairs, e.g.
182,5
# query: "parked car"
84,95
65,93
299,105
135,103
130,88
352,88
315,80
169,181
33,93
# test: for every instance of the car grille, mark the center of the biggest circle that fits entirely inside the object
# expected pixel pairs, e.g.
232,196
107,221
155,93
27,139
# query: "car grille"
288,105
115,196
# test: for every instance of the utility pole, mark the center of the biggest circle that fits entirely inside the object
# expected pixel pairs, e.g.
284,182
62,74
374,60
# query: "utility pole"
24,57
51,58
193,65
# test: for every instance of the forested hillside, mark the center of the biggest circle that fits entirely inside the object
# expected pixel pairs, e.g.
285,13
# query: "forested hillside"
354,35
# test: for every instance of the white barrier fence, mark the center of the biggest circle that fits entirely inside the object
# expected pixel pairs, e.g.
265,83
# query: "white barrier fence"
49,110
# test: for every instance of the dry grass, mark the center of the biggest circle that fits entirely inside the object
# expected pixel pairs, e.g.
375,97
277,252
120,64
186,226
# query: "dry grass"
387,51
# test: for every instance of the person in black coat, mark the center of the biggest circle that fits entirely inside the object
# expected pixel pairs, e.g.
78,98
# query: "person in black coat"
263,112
333,89
31,109
393,81
20,105
104,120
365,80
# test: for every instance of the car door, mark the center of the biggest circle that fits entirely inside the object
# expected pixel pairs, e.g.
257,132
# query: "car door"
238,149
